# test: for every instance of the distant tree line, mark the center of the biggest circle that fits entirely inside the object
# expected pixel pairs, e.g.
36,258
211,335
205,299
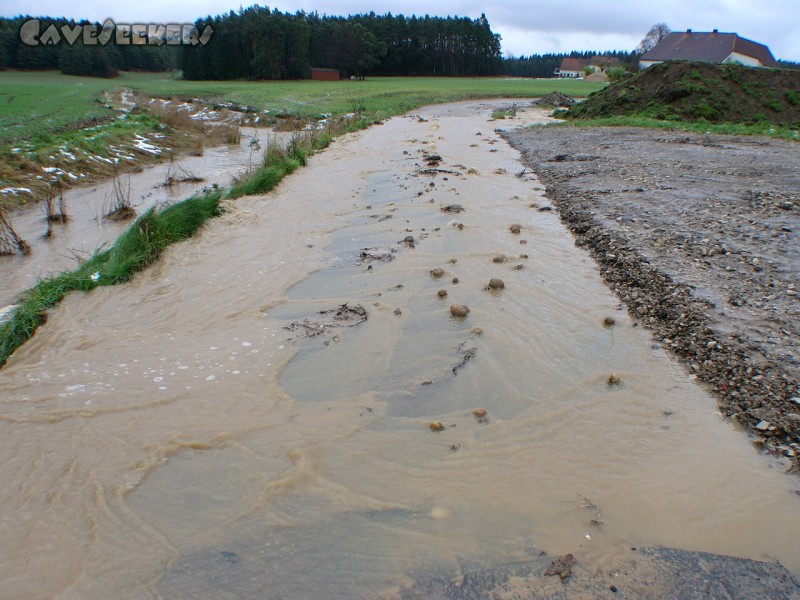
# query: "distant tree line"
78,58
259,43
544,65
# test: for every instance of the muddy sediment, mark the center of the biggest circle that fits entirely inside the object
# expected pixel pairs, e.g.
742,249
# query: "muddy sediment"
262,426
698,236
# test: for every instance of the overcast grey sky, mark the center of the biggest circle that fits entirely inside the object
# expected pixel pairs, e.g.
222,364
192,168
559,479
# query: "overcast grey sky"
527,27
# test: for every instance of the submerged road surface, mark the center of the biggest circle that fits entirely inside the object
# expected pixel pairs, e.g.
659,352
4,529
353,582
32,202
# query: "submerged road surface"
285,407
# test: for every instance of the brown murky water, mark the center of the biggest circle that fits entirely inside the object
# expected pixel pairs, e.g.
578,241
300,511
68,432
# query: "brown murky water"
88,230
172,438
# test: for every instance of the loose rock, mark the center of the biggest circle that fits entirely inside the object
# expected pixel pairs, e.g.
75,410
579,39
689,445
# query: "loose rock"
436,426
613,379
436,273
442,293
609,321
459,310
496,284
515,228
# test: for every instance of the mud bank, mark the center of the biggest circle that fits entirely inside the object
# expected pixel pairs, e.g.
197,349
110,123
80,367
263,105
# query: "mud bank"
620,572
698,235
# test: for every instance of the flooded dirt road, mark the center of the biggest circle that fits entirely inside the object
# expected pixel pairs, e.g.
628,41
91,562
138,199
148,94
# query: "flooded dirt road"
285,407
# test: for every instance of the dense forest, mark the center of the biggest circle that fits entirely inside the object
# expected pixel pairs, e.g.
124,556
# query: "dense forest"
79,59
259,43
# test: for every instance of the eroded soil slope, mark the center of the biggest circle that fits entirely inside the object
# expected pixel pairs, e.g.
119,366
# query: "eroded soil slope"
690,91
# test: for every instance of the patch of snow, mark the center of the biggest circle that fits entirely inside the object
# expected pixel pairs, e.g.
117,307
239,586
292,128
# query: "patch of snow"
15,190
144,145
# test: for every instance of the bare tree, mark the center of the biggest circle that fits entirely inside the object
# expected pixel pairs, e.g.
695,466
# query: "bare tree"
657,33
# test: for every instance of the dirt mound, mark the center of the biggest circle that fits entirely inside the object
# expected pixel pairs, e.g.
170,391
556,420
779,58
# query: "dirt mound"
555,99
691,91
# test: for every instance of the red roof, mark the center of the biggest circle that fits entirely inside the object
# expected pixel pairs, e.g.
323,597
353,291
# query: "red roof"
708,47
571,64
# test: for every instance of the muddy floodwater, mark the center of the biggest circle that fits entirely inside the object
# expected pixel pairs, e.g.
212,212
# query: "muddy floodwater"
284,407
88,230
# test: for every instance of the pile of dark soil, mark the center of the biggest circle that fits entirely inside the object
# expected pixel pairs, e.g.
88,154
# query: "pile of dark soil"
693,91
555,99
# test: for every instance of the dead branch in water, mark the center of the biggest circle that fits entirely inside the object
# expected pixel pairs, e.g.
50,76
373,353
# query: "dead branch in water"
55,205
121,209
467,354
10,242
178,174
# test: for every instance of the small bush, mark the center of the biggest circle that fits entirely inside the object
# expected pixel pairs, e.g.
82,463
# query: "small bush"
615,74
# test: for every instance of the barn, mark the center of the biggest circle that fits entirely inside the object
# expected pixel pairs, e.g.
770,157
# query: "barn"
320,74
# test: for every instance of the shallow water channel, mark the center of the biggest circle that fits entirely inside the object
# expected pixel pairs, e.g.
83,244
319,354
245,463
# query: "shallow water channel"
88,230
214,430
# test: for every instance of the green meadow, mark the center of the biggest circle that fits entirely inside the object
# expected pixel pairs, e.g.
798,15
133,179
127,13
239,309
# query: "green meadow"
37,106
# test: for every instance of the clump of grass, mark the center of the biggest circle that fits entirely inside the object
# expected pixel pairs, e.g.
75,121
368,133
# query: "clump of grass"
138,247
504,113
279,160
227,133
358,105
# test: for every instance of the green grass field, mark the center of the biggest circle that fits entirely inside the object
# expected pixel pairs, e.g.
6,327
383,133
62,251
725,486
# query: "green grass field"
36,105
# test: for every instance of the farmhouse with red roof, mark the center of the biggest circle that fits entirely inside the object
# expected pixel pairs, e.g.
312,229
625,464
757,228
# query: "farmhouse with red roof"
713,47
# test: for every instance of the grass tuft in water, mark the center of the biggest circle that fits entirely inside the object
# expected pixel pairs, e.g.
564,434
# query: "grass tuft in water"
138,247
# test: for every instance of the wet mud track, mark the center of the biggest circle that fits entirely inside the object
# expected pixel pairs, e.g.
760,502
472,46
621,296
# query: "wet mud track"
290,406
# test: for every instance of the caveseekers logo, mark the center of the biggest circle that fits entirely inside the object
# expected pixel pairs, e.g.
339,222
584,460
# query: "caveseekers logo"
138,34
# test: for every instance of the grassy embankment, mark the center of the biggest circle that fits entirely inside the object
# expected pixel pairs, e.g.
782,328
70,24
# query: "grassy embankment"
46,112
699,97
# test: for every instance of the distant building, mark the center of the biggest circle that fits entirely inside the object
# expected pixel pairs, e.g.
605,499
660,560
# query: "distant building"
324,74
574,67
570,68
713,47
